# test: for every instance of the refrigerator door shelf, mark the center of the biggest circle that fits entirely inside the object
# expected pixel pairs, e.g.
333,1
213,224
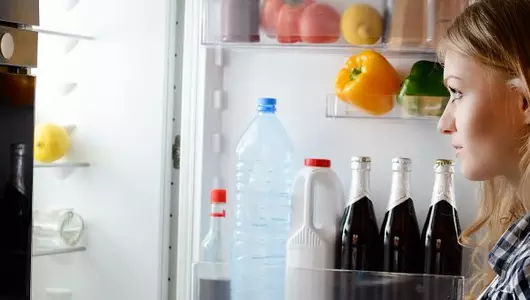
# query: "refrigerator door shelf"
425,109
211,282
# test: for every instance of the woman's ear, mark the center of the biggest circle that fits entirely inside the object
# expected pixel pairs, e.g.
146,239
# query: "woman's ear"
524,103
524,107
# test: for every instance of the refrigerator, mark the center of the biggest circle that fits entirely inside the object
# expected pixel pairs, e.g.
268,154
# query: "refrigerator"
155,103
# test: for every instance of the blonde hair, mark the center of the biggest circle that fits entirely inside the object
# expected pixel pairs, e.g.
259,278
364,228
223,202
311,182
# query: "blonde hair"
495,34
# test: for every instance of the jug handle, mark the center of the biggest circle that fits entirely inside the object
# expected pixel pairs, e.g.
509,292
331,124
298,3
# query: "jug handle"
308,204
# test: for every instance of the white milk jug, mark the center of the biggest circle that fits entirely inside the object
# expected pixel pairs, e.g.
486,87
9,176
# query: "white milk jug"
317,204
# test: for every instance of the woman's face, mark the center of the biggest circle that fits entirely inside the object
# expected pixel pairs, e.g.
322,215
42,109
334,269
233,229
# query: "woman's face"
484,118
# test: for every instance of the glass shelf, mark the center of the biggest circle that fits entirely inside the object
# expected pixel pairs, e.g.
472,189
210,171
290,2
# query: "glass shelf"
211,281
68,35
336,108
48,252
387,50
62,165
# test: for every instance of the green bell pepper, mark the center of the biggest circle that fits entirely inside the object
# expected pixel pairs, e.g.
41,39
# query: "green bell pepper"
423,93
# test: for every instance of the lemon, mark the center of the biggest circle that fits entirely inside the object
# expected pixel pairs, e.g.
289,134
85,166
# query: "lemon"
51,142
361,24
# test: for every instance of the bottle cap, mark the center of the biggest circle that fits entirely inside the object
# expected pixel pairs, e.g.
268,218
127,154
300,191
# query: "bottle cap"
361,159
444,162
218,196
401,164
267,105
443,166
401,160
266,101
19,148
360,163
317,162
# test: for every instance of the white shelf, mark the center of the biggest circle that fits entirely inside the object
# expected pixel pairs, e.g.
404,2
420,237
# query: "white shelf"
62,165
68,35
49,252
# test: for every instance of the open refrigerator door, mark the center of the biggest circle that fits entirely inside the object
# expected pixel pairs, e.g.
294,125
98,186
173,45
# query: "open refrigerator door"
232,59
105,96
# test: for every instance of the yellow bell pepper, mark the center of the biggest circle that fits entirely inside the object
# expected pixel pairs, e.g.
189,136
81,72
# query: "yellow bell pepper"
369,82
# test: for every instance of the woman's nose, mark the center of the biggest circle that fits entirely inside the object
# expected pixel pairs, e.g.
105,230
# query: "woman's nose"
446,124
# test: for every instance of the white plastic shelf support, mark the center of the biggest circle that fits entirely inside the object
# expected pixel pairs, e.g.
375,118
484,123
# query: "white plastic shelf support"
69,4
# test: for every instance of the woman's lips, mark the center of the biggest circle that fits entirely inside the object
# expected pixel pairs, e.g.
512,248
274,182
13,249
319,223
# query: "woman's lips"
457,148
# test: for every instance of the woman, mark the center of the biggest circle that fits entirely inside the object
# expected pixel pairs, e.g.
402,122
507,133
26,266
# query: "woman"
487,71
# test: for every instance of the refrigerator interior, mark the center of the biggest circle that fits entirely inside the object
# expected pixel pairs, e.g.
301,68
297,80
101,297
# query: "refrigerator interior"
226,79
108,69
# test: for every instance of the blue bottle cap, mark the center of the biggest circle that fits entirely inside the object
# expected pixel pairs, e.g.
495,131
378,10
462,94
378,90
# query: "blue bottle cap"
267,101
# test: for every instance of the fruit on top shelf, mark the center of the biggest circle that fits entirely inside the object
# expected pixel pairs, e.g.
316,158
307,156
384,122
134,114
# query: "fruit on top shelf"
422,92
369,82
269,16
51,142
361,24
320,23
288,25
280,19
293,21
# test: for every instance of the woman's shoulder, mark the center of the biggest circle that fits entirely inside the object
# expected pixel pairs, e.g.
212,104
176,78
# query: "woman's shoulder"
510,259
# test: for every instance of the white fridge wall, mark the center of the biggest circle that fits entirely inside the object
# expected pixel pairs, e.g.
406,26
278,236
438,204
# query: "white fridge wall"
300,81
122,107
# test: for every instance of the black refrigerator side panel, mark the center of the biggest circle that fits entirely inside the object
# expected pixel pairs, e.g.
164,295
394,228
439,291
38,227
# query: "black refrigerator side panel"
20,11
17,114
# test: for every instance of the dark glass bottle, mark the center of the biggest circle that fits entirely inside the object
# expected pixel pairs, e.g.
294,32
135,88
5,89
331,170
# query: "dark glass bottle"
15,222
400,233
402,249
358,244
443,254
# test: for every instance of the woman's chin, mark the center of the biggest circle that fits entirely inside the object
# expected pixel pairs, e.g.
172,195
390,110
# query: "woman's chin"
474,172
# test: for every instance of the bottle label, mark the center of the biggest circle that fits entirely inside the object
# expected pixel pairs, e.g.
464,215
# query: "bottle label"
397,196
443,189
400,189
360,186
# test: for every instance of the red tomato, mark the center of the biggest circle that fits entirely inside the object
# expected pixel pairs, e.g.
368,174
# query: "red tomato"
320,23
269,16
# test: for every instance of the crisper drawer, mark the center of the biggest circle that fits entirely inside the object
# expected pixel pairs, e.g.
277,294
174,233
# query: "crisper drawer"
20,11
18,47
211,282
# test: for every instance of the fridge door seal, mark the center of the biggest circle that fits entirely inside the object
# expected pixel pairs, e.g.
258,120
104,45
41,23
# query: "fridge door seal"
191,153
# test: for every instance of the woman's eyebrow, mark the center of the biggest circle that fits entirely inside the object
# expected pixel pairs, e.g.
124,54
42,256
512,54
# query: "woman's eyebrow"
449,77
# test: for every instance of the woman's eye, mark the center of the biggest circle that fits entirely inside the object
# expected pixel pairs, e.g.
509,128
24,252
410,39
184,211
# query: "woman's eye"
455,94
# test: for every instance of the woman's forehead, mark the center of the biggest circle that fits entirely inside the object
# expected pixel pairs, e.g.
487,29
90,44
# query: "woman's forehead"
464,68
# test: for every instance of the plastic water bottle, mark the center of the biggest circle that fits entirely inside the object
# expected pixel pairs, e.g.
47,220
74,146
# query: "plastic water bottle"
264,174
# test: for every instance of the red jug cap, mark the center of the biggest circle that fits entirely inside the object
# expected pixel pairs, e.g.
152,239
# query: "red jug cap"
317,162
